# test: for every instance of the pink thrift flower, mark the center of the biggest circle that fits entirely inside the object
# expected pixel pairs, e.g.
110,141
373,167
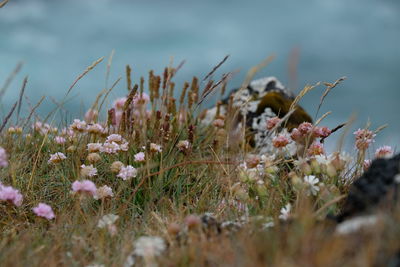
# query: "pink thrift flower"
280,141
56,157
155,148
95,128
305,128
140,99
296,135
316,149
78,125
384,152
8,193
103,192
3,158
272,122
59,140
183,145
367,164
44,210
110,148
84,186
364,138
219,123
119,103
91,115
139,157
127,172
88,171
114,138
321,132
94,147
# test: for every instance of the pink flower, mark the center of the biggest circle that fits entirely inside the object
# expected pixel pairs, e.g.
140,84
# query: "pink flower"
127,172
219,123
280,141
110,148
139,157
8,193
88,171
384,152
3,158
59,140
367,164
104,192
94,147
272,122
78,125
95,128
114,138
321,132
296,135
84,186
140,99
56,157
305,128
44,210
183,145
316,149
91,115
364,138
119,103
155,148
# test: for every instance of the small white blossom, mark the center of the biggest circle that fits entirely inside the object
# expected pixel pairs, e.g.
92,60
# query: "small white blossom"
312,182
149,246
155,148
107,220
285,212
88,171
127,172
56,157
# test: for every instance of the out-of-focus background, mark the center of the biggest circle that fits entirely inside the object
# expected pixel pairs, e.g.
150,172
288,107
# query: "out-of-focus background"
359,39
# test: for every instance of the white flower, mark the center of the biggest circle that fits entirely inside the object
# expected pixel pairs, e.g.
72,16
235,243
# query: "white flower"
124,146
312,182
88,171
56,157
59,140
107,220
114,138
78,125
139,157
94,147
149,246
322,159
155,148
285,212
110,148
95,128
103,192
127,172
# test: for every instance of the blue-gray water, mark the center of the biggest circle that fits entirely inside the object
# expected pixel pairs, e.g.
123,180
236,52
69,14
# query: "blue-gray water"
359,39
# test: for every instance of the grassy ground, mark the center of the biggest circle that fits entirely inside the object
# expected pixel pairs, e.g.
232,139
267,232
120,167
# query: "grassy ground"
172,188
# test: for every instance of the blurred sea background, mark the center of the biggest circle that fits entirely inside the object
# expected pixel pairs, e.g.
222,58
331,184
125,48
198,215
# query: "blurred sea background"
358,39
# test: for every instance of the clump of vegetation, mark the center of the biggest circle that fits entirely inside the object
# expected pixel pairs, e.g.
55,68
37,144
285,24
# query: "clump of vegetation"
152,185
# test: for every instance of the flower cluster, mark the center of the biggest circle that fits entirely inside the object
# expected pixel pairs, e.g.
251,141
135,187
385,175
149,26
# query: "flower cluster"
85,186
364,138
127,172
44,210
56,157
11,195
